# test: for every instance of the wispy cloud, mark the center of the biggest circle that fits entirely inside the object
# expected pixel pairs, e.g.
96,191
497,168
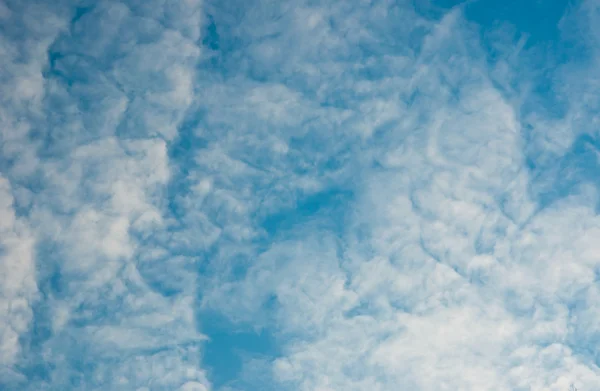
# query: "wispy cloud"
454,269
100,91
385,196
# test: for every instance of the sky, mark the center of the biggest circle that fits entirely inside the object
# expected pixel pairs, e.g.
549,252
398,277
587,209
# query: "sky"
299,195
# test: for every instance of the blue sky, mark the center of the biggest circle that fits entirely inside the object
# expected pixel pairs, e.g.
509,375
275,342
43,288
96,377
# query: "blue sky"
202,195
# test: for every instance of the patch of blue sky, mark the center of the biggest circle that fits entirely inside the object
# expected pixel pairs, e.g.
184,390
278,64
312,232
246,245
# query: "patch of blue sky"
232,345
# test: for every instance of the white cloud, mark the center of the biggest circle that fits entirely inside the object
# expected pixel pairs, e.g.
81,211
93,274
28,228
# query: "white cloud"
90,110
18,277
449,273
144,183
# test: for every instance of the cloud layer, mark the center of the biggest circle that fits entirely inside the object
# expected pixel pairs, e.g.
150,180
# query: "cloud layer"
387,195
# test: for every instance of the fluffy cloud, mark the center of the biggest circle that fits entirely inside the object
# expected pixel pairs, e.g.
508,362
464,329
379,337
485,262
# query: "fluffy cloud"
100,92
367,183
455,268
19,287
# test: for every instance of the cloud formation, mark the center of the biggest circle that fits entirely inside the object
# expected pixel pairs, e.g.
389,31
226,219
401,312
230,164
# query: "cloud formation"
100,91
391,195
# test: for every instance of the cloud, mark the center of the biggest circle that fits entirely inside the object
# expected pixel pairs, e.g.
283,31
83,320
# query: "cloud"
455,269
394,198
19,287
98,95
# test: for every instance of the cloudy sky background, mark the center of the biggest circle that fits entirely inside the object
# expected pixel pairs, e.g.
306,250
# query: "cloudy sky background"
300,195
